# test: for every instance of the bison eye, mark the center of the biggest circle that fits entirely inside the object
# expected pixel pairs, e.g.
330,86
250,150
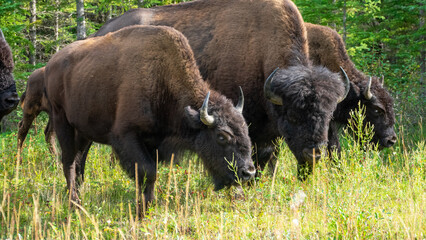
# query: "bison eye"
223,138
378,111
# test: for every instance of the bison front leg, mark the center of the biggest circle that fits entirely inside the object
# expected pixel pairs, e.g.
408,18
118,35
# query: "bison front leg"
265,154
130,151
74,150
333,139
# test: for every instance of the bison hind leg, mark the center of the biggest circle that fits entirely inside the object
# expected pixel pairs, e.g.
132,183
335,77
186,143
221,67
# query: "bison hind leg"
131,151
74,153
50,138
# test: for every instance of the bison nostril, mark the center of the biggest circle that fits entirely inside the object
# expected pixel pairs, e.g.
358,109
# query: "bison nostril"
13,99
391,141
247,174
308,153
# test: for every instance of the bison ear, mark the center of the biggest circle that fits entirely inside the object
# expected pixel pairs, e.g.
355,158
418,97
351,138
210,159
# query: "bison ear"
192,117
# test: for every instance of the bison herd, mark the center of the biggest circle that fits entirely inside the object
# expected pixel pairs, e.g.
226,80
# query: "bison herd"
223,79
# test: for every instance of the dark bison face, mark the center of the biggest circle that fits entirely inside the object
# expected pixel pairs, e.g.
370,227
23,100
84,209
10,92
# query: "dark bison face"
8,96
8,100
379,112
222,141
304,100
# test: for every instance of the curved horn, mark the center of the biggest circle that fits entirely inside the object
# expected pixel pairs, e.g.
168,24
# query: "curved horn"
204,115
382,80
240,104
347,85
367,92
267,91
1,34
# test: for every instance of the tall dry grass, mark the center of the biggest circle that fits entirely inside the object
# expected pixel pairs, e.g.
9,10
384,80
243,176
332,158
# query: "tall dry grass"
364,194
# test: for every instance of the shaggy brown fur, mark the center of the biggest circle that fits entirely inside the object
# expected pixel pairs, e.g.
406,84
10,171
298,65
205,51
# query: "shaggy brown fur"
136,90
327,49
8,96
33,102
239,43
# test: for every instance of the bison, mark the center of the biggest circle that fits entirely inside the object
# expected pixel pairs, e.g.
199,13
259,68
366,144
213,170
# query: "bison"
8,96
240,43
139,89
33,102
326,48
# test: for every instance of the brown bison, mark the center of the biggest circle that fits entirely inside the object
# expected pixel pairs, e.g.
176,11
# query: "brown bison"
239,43
139,90
33,102
8,97
326,48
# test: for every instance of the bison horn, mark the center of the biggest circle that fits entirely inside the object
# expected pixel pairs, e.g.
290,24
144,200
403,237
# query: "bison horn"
240,104
204,114
367,92
267,91
382,80
347,85
1,34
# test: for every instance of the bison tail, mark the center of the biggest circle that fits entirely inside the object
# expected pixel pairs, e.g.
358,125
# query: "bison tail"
21,103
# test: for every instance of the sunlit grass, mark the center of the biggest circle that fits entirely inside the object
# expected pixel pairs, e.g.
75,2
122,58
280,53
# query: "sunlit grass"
365,195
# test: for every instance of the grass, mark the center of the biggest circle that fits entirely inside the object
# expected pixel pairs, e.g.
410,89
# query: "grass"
366,194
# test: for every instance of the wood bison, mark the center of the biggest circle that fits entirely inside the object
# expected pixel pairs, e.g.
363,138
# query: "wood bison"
33,102
8,97
138,90
239,43
326,48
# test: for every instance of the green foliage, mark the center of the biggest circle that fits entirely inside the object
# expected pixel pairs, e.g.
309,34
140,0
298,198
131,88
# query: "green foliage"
383,37
362,131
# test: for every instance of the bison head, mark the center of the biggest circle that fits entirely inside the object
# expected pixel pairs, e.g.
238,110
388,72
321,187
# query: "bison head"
379,112
222,140
8,96
303,101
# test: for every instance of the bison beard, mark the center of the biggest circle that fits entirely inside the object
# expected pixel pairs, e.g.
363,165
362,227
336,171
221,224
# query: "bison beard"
326,48
239,43
8,97
142,96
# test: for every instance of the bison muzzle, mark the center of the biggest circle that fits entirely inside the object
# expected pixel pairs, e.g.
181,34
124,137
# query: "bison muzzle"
8,96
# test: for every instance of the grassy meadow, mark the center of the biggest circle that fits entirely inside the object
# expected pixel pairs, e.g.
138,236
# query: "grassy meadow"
365,194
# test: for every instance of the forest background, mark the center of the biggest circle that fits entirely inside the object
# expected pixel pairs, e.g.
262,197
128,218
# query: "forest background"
383,37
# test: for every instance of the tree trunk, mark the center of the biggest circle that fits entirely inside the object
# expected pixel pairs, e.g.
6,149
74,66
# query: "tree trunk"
344,21
33,33
140,3
81,23
333,24
56,25
109,13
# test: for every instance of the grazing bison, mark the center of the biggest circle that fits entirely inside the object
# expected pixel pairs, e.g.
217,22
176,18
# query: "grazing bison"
239,43
138,90
33,102
326,48
8,97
